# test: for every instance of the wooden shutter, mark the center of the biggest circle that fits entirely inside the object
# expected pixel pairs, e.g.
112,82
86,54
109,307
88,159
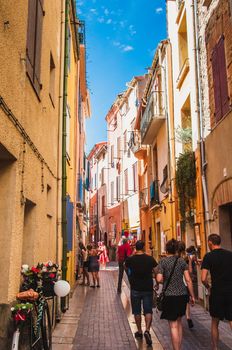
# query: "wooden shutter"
216,85
34,41
223,76
39,22
31,37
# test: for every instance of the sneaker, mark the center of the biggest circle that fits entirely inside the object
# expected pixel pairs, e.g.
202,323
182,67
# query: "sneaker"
138,335
98,286
190,323
93,286
147,336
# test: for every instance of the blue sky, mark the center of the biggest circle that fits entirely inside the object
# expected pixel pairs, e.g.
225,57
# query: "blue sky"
121,37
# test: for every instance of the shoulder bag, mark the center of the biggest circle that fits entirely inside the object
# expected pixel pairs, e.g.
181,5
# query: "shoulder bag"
161,296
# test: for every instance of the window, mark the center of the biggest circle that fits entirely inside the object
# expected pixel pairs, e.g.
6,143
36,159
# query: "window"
103,206
155,163
112,156
112,192
125,141
118,188
220,80
34,42
95,181
68,117
126,181
135,176
102,176
119,147
52,80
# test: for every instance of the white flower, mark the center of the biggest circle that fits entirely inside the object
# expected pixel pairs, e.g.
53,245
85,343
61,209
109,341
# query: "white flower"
44,269
25,268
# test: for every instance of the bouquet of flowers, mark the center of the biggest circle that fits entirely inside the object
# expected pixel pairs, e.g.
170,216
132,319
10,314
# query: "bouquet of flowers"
21,311
41,278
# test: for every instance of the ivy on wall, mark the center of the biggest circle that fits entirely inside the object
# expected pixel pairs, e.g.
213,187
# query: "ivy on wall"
186,185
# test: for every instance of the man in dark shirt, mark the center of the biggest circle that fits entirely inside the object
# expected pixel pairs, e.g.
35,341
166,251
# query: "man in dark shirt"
219,263
140,268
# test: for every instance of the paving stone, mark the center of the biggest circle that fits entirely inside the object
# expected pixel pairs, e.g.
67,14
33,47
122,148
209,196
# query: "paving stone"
197,338
104,317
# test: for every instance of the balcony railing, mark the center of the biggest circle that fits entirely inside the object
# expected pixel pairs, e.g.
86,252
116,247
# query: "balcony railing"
135,144
153,117
154,193
143,199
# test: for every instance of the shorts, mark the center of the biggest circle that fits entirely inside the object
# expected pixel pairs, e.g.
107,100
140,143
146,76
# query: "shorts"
174,307
138,298
220,306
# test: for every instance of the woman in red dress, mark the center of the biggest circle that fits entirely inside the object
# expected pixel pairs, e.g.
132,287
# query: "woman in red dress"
103,255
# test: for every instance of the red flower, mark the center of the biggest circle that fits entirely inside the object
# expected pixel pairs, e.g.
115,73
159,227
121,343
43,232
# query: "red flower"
34,269
52,275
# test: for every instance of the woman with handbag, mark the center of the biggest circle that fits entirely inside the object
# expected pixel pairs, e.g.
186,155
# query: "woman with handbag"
175,296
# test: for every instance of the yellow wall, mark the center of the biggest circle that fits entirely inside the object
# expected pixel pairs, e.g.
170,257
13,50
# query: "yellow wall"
27,235
73,157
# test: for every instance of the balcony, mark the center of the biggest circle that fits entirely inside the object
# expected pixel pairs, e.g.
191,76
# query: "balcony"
153,118
182,75
143,199
136,146
154,194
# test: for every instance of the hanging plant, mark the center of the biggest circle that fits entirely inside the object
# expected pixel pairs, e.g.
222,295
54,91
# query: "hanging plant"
186,185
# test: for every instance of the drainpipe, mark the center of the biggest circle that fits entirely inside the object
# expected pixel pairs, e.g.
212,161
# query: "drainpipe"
64,137
200,121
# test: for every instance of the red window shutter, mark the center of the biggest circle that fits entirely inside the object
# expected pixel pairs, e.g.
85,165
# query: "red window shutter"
216,85
39,23
31,37
223,76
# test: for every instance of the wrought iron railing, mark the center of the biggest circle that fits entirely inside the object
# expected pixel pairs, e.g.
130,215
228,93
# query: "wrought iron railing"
154,109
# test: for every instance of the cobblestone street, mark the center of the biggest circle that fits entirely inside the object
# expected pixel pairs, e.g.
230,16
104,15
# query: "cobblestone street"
100,319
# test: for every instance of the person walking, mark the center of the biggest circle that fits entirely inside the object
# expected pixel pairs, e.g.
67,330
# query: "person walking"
172,271
94,266
182,253
219,263
123,252
141,267
85,256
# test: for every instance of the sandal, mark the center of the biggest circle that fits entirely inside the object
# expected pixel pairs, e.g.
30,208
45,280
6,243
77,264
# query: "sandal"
147,336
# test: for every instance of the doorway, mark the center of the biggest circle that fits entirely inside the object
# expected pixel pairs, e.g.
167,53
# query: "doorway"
225,225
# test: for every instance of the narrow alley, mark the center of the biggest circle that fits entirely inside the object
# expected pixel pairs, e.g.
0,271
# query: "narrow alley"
100,319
